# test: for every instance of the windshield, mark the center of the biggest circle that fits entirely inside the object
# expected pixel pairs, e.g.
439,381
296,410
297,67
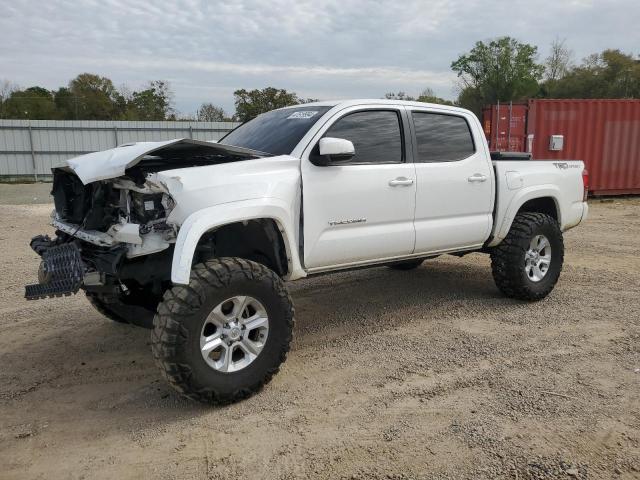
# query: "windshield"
276,132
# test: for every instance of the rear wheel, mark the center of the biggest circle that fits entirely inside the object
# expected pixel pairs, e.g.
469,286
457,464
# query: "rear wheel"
223,336
527,263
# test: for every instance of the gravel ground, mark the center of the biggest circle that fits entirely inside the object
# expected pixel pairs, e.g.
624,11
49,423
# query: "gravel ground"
422,374
21,194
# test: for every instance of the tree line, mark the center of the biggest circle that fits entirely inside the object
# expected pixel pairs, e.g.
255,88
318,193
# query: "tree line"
92,97
502,69
507,70
87,97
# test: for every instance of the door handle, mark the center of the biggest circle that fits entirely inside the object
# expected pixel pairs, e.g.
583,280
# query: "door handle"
401,181
477,177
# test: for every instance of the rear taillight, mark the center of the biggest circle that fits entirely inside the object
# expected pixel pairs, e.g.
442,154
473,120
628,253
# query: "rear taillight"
585,184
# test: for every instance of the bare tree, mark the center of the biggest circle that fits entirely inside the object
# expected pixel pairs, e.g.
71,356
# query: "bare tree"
6,89
398,96
208,112
559,60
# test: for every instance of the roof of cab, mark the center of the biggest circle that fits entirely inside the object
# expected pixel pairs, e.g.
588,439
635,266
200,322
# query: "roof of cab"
376,101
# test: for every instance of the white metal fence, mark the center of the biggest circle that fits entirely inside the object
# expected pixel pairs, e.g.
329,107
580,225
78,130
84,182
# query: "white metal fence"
29,148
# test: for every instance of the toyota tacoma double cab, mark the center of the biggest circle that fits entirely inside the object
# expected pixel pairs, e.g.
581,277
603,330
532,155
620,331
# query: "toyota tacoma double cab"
196,240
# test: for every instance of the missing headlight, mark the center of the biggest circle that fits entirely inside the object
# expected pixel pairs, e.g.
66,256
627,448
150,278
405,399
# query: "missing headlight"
146,208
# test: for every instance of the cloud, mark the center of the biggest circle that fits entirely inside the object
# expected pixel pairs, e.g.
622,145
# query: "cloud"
322,49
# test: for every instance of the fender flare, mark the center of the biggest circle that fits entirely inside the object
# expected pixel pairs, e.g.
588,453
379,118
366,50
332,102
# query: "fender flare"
207,219
519,199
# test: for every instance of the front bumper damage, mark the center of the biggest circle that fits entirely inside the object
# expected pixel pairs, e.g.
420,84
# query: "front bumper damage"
61,272
108,236
112,218
69,264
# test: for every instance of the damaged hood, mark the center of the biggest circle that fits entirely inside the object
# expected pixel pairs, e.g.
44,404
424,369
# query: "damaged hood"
112,163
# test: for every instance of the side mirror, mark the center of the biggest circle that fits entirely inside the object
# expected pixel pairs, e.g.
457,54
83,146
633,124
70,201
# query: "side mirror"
333,151
337,147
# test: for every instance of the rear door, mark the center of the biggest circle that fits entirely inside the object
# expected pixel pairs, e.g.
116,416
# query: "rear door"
455,181
361,211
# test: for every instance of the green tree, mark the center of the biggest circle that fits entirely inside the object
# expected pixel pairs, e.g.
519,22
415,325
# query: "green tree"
152,103
251,103
502,70
95,98
67,107
208,112
471,99
34,103
429,96
610,74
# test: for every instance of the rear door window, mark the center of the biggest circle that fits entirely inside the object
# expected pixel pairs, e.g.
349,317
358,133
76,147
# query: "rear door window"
442,138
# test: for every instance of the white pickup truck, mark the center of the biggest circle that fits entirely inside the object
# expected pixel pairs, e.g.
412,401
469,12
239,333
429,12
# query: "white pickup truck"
196,239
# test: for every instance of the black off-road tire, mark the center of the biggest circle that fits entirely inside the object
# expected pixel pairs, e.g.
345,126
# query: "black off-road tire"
175,340
407,264
114,308
508,258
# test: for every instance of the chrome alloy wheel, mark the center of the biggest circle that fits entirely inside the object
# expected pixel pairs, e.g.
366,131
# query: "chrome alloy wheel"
234,334
538,258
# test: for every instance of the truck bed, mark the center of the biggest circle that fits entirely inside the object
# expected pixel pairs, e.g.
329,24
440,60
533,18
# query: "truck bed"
517,182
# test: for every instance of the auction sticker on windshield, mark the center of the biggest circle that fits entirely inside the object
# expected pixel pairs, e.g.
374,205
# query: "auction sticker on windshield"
303,114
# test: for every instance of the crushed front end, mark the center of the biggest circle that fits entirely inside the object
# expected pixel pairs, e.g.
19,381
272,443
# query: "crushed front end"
115,226
112,240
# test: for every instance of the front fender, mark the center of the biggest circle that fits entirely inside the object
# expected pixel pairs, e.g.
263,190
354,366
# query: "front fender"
207,219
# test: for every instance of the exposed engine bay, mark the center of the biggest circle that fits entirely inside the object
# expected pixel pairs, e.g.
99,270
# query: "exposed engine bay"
113,236
106,213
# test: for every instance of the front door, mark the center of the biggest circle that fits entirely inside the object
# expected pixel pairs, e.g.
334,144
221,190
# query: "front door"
362,210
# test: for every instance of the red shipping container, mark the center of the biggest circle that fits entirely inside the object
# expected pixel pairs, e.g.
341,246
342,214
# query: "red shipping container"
604,133
505,126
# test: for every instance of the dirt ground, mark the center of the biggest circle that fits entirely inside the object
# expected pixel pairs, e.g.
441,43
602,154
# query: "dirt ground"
422,374
25,194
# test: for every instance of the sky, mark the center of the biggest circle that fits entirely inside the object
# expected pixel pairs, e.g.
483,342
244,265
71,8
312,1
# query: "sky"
318,49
